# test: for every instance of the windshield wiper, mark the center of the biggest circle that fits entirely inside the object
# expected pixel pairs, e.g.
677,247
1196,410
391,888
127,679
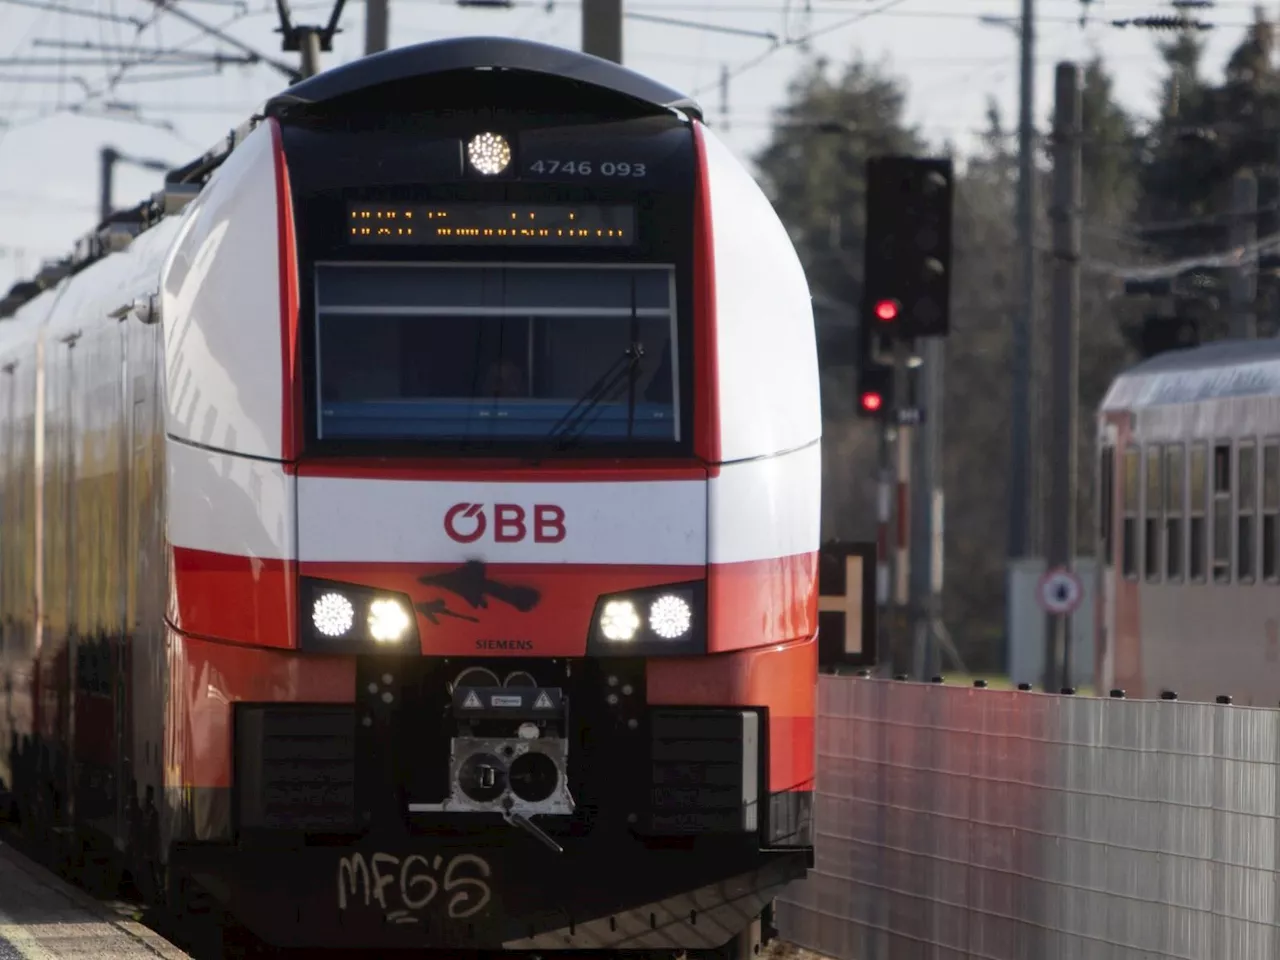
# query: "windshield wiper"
605,388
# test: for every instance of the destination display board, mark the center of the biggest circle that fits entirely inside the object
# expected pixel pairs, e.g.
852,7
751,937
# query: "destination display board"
491,224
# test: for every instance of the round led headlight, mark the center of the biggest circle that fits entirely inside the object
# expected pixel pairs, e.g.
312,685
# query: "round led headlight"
670,617
333,614
489,153
619,621
388,620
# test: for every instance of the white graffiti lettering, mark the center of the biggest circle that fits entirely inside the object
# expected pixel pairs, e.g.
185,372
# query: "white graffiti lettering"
404,887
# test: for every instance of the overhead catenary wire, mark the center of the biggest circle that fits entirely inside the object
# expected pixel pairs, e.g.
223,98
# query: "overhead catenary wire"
811,35
970,10
69,11
122,69
1234,257
212,31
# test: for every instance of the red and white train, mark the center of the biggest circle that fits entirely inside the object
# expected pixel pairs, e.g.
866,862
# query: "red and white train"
1188,512
411,518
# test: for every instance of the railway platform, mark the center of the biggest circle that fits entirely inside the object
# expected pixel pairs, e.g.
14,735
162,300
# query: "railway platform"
42,917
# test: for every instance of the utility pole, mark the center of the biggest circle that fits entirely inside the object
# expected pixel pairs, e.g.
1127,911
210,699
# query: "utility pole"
108,157
926,554
901,650
1242,278
602,29
884,540
309,46
1020,412
308,40
724,96
376,24
1065,216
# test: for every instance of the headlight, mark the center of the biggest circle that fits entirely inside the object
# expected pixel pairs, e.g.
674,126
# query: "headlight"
670,617
346,618
619,620
489,153
388,620
332,614
655,622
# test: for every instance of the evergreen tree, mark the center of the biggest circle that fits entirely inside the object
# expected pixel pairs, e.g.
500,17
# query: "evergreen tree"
813,169
1205,134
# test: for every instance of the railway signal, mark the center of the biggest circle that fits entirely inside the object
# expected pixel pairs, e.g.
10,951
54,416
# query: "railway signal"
875,390
886,311
907,285
874,381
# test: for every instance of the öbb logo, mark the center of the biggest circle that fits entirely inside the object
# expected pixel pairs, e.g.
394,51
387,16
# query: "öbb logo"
468,522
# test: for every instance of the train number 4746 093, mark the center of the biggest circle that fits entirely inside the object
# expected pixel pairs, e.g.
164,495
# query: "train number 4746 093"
585,168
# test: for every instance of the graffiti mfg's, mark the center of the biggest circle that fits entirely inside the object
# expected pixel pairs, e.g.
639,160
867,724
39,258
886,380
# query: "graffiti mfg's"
404,888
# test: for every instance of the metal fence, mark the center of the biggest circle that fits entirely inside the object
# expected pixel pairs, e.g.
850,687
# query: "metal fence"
960,822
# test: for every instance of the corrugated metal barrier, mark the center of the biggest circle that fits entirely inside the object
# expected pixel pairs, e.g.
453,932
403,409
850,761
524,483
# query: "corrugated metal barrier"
959,822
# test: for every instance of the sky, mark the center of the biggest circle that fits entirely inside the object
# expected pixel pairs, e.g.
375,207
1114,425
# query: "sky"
950,61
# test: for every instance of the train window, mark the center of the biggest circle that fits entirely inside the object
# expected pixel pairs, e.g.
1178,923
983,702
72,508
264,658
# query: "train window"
496,352
1270,511
1129,535
1196,512
1222,512
1173,506
1106,505
1246,511
1153,515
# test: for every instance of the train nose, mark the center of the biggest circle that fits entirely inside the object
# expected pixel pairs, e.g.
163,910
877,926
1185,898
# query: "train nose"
511,564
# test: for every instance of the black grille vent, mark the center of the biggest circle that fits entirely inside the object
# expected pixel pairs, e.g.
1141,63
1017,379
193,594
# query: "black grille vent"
295,767
699,780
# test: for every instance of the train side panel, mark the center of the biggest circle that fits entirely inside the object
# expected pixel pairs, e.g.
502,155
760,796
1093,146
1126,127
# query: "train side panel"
232,511
766,356
19,543
764,495
67,544
221,303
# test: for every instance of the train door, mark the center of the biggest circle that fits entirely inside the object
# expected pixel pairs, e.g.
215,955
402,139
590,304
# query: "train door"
72,547
146,572
124,548
58,662
97,621
10,534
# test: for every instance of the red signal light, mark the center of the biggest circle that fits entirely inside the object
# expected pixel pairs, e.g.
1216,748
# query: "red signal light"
872,402
887,310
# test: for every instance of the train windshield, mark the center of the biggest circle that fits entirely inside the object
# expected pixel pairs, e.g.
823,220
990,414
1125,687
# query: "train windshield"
496,351
517,304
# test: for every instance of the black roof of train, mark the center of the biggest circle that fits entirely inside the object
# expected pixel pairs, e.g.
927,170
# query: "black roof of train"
473,53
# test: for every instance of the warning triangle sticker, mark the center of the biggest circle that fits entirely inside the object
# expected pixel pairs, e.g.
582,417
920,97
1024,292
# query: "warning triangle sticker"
543,702
472,702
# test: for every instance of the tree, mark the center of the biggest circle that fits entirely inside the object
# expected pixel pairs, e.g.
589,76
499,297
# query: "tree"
1204,135
813,171
1111,156
976,397
813,168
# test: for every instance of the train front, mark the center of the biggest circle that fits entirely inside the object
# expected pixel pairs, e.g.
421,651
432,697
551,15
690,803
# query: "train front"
551,440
